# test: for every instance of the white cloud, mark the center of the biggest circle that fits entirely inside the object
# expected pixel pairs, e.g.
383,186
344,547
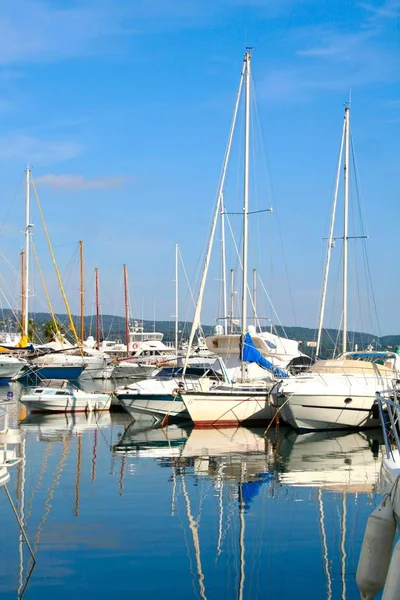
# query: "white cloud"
388,10
80,182
330,58
42,30
37,151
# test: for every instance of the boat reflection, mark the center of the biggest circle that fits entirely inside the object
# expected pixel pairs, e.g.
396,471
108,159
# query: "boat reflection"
144,440
334,461
54,427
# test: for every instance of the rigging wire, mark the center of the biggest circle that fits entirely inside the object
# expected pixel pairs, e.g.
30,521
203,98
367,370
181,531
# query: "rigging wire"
364,232
72,326
276,205
57,331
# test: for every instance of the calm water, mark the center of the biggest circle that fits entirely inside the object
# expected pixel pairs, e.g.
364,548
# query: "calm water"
112,507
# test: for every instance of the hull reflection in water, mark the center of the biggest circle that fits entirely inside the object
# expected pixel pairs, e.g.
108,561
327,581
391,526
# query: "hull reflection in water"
56,426
150,441
336,461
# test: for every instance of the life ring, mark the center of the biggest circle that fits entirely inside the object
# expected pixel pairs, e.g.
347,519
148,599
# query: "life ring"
135,346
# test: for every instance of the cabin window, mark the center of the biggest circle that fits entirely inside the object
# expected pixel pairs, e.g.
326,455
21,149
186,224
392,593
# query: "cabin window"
62,393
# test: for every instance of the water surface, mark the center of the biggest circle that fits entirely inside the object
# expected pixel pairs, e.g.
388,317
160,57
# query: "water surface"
114,507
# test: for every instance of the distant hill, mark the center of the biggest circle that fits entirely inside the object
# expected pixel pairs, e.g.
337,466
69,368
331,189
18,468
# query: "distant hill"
113,327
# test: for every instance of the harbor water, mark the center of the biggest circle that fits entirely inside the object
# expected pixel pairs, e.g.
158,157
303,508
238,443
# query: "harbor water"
112,506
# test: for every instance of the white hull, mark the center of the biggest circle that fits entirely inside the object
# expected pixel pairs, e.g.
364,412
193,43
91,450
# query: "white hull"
329,412
156,397
10,367
68,402
328,400
95,366
390,469
157,408
229,405
126,370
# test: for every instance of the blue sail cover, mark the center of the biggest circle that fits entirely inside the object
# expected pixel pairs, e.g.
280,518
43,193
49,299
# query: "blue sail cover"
251,354
29,348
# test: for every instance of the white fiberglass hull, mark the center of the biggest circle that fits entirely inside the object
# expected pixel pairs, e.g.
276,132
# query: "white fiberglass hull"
390,469
10,367
125,370
96,367
228,405
69,403
157,407
328,403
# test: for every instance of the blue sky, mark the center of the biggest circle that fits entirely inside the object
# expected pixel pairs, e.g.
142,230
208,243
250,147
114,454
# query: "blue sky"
123,111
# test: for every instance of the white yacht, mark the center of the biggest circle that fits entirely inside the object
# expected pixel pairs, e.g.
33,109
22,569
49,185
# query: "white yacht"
336,393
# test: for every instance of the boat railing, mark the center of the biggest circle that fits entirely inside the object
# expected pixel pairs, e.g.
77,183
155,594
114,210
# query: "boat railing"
389,410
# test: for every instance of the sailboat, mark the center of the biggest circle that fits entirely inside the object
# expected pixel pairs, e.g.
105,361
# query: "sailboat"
246,399
337,393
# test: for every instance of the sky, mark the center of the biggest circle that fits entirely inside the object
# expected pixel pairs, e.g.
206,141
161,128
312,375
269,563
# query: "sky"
123,110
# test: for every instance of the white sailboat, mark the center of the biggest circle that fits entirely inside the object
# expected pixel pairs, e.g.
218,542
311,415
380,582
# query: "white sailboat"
340,392
247,399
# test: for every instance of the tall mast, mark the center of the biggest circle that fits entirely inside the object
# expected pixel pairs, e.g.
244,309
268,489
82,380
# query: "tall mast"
346,221
196,318
27,248
330,243
23,291
232,298
255,297
126,309
223,266
97,309
246,197
176,298
82,291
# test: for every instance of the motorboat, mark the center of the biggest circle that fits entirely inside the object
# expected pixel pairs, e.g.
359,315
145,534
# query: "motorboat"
337,393
62,396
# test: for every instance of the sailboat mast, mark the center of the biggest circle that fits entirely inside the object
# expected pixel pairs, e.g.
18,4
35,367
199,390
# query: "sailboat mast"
82,291
97,309
196,318
255,297
330,243
176,297
246,197
126,309
232,298
27,248
346,222
223,266
23,291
